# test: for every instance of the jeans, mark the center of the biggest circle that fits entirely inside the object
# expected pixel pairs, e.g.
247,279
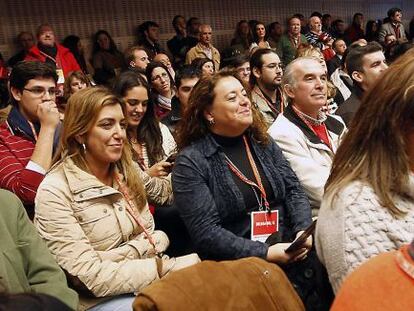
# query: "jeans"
117,303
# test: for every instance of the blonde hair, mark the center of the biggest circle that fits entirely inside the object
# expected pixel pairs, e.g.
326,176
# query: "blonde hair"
375,148
80,116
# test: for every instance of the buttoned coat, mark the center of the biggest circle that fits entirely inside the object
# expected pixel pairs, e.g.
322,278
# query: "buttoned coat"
88,230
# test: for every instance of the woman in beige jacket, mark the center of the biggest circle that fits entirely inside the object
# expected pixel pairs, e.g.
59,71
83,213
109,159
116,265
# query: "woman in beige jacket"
91,208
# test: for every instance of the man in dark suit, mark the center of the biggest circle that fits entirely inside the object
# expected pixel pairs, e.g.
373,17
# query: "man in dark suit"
339,47
365,64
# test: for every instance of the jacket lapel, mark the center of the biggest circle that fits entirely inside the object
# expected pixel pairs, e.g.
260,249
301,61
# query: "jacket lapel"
333,126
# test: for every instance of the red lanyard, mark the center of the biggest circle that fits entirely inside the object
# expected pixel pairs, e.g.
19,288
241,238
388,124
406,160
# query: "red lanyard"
239,174
132,210
274,109
56,60
298,113
33,130
140,155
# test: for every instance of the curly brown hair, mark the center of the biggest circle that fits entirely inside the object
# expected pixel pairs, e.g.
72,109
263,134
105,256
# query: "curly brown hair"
194,125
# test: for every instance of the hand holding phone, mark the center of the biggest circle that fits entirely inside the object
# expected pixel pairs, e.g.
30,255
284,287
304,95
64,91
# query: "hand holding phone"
297,244
171,158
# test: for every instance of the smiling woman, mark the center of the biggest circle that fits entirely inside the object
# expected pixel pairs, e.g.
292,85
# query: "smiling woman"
233,174
91,209
150,140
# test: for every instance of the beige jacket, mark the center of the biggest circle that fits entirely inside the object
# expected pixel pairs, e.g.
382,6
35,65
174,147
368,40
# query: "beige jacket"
158,189
261,103
91,235
198,51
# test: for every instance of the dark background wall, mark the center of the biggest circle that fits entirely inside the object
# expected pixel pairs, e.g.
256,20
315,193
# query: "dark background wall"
121,17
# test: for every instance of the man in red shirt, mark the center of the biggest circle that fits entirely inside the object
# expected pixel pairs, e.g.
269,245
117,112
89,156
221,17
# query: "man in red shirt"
29,135
307,136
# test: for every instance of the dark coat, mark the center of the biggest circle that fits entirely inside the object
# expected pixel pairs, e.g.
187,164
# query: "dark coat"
212,206
333,64
171,120
349,107
179,46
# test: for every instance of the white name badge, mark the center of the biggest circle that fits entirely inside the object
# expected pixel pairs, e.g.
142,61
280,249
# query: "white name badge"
61,77
263,224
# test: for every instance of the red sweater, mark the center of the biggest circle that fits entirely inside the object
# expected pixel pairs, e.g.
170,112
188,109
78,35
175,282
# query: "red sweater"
64,58
15,153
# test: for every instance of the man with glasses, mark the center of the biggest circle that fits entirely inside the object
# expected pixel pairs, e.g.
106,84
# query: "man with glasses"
29,135
266,77
165,60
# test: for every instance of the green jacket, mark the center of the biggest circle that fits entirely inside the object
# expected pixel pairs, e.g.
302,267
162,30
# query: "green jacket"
286,50
26,265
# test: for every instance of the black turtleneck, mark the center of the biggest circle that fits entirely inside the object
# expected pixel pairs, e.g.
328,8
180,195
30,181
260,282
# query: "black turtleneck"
235,150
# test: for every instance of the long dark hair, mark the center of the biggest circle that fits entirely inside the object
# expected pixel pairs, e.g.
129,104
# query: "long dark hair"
255,37
96,48
71,42
194,125
150,68
240,38
148,131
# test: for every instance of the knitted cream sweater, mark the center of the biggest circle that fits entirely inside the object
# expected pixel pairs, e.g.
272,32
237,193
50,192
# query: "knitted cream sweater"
356,227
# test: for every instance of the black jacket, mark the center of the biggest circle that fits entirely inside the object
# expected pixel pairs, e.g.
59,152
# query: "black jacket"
174,116
349,107
212,206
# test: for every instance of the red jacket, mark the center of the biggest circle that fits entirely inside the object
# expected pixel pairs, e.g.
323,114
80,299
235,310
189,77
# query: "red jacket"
64,58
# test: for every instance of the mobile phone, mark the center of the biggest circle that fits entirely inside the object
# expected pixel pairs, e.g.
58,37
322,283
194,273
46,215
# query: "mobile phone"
171,158
297,244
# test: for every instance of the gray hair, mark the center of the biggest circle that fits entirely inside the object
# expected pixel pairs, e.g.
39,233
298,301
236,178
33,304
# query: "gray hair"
288,76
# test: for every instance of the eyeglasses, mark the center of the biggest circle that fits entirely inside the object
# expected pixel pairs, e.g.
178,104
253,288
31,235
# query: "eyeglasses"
164,75
40,91
274,66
